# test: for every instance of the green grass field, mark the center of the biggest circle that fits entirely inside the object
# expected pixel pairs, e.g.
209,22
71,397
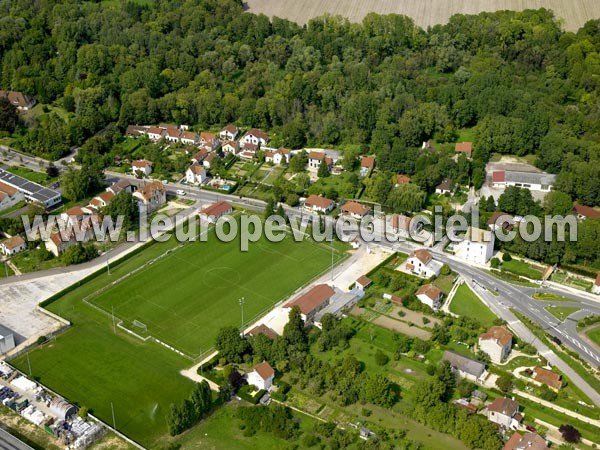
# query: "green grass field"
520,268
187,296
31,175
466,303
594,335
92,366
562,312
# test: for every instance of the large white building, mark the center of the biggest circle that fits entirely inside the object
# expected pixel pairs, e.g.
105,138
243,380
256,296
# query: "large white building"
477,246
261,376
534,181
32,192
421,263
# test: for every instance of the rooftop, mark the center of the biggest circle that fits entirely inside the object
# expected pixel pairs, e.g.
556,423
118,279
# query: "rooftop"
548,377
355,208
422,255
36,191
464,364
217,209
264,370
318,201
13,242
312,299
430,291
499,334
505,406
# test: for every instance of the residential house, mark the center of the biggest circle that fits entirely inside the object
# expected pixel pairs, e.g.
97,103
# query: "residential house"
311,302
155,133
317,203
195,174
500,220
255,137
466,148
534,181
102,200
9,196
230,147
528,441
189,138
548,377
401,179
22,102
585,212
404,225
141,167
13,245
199,157
315,159
363,282
430,295
596,287
464,367
121,185
57,243
229,133
151,197
477,246
172,134
281,156
504,412
421,263
355,210
496,342
74,214
215,211
209,141
247,155
261,376
445,187
367,164
262,329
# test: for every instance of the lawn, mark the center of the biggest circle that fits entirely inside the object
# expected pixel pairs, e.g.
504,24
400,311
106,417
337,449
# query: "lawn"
188,295
523,269
562,312
594,335
466,303
544,296
31,175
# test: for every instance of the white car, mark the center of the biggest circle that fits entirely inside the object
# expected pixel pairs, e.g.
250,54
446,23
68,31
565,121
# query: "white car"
180,192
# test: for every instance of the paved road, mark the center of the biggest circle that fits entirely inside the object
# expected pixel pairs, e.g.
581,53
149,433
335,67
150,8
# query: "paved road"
9,442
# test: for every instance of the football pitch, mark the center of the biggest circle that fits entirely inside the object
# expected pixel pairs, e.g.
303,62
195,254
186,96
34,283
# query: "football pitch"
185,297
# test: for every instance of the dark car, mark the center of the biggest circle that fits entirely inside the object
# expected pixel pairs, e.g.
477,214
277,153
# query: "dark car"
531,429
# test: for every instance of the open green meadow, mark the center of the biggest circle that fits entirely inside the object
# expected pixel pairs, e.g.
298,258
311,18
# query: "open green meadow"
466,303
92,365
187,296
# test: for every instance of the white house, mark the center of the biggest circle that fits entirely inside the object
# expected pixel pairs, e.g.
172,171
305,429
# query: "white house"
209,141
215,211
189,138
355,210
317,203
230,147
151,197
122,185
261,376
367,164
13,245
477,246
155,133
141,167
172,134
208,161
315,159
229,133
9,196
496,342
504,412
256,137
596,288
430,295
102,200
363,282
534,181
464,367
22,102
195,174
421,263
75,214
445,187
279,156
528,441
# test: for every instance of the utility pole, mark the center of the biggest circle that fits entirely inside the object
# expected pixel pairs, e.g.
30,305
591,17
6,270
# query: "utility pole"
242,301
107,264
332,258
29,364
112,408
6,267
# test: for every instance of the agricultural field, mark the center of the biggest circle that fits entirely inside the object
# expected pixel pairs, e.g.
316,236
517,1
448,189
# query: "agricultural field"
573,14
466,303
188,295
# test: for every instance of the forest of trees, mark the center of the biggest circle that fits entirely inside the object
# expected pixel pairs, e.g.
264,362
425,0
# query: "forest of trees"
386,85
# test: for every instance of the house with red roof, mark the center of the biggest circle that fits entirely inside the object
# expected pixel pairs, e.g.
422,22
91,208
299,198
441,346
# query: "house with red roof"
229,133
312,301
528,441
367,164
215,211
355,210
255,136
316,203
430,295
401,179
466,148
261,376
195,174
596,288
504,412
497,343
13,245
585,212
141,167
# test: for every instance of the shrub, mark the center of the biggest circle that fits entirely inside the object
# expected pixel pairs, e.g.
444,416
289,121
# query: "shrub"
246,391
381,359
570,433
504,383
366,412
495,263
41,340
506,257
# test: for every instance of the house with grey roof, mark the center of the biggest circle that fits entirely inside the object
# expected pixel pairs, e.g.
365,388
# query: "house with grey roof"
534,181
465,367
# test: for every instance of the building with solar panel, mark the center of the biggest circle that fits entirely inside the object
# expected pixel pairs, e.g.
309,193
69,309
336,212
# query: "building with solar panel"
33,192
